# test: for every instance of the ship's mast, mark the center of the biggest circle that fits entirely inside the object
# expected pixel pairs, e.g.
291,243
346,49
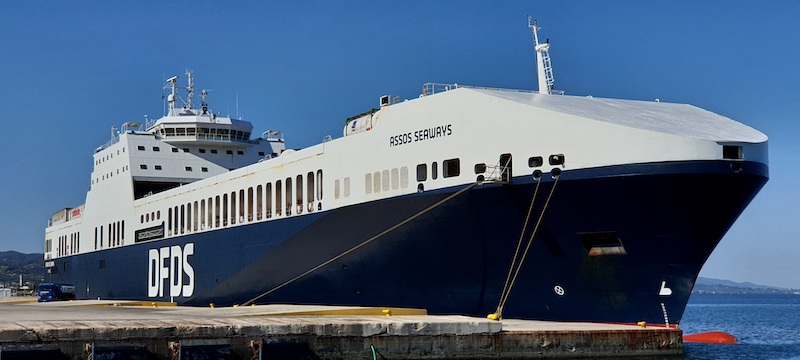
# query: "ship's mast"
171,97
544,69
189,90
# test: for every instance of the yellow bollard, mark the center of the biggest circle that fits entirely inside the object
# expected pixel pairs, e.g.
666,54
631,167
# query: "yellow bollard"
387,312
494,316
642,324
211,305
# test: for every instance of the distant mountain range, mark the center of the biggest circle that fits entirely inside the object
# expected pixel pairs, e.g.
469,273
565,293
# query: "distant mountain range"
31,267
717,286
13,264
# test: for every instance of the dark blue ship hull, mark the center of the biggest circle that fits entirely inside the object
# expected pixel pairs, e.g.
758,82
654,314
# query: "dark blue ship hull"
616,244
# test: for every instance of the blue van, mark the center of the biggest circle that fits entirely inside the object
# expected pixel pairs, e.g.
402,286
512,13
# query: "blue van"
55,292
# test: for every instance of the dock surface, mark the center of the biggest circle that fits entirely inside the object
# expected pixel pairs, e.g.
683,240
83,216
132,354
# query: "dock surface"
75,329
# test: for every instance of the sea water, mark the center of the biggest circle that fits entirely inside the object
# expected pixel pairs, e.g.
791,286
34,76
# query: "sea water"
766,326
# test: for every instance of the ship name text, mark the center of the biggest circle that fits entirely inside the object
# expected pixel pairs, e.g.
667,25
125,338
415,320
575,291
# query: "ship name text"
419,135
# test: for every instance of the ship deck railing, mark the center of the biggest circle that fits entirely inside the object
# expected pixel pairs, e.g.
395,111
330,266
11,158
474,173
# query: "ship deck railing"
434,88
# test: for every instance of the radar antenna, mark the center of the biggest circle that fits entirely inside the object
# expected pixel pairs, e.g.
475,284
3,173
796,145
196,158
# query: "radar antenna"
544,69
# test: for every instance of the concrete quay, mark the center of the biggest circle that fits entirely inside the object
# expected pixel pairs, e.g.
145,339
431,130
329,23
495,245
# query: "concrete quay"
89,329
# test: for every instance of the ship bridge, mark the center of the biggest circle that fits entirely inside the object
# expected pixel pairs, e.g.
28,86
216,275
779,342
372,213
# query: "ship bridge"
185,145
201,126
202,129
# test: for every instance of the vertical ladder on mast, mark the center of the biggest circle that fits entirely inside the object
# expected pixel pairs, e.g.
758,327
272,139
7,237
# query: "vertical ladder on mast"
543,65
548,71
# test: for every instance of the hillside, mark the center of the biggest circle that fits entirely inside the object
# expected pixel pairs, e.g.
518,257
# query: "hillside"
727,287
13,264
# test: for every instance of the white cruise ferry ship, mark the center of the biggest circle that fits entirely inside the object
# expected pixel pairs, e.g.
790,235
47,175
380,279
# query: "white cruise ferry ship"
464,200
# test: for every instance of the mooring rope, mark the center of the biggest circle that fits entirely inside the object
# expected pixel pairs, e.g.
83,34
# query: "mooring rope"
354,248
519,242
498,315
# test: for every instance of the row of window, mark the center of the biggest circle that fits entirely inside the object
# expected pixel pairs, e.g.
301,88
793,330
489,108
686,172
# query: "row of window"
109,175
159,167
114,232
156,215
336,188
67,244
284,196
204,133
386,180
202,151
450,168
107,157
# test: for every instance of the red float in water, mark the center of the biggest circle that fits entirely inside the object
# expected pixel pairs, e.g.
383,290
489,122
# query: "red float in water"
712,337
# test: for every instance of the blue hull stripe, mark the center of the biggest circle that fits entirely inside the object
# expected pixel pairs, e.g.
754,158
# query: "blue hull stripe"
454,259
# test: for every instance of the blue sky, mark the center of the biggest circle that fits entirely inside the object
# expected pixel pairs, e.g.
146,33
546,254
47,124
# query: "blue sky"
71,70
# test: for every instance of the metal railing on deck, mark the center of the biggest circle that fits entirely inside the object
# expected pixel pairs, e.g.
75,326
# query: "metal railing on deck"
433,88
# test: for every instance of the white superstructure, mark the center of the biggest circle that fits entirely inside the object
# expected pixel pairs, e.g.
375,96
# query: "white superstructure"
194,171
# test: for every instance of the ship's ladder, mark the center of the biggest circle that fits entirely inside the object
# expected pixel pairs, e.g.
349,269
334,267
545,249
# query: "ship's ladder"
548,70
519,258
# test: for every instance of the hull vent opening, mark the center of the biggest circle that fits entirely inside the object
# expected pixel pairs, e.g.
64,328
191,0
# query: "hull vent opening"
732,152
602,243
